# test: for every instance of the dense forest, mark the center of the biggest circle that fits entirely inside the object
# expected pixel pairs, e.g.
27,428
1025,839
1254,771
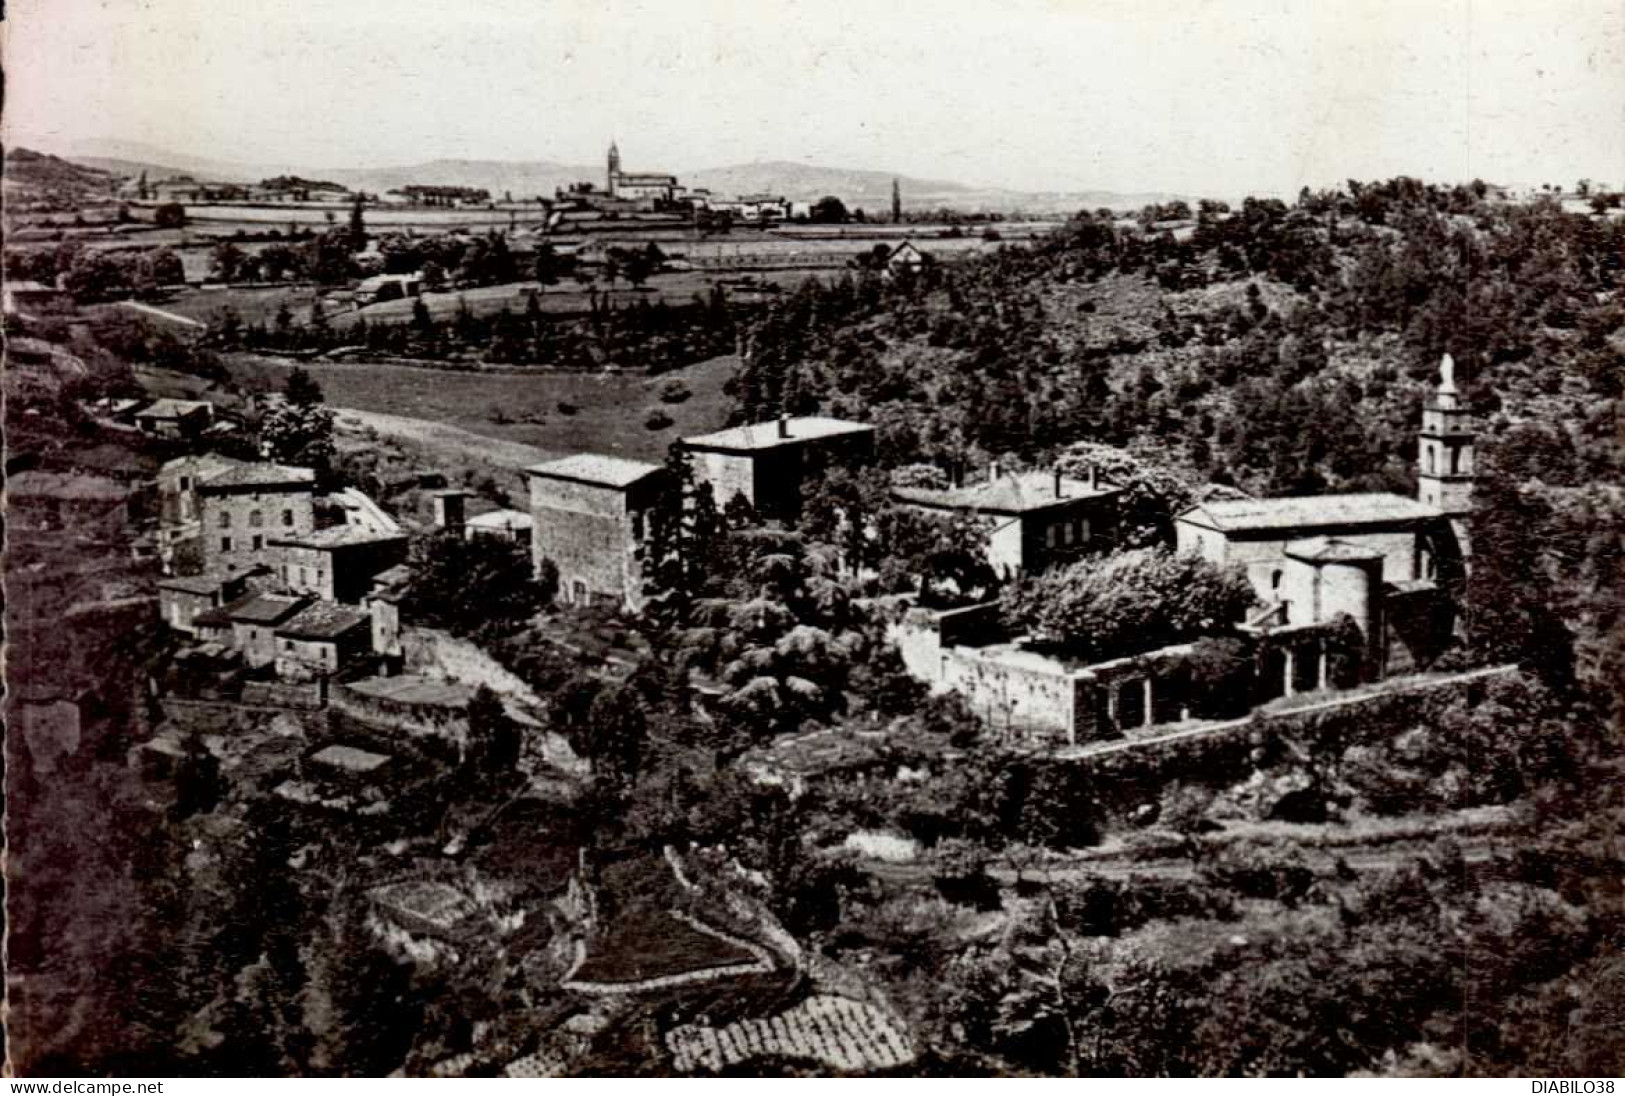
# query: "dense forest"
1282,348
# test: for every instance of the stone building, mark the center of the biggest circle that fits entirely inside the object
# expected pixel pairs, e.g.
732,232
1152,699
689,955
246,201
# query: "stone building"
587,515
248,625
768,463
320,640
242,508
1034,520
636,186
182,597
168,418
337,563
1415,540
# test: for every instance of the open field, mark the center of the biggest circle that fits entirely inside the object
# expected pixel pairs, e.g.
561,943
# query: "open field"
520,408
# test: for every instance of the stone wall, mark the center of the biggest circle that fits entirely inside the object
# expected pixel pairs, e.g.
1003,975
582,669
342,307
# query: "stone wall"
432,653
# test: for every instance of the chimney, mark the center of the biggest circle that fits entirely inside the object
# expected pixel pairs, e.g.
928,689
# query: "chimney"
784,426
1094,478
1058,481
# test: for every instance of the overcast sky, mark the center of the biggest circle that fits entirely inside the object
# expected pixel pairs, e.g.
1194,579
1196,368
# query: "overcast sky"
1198,96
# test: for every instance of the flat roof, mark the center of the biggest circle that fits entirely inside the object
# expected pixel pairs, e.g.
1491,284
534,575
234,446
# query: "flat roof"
1307,512
595,468
767,435
350,759
1015,493
501,519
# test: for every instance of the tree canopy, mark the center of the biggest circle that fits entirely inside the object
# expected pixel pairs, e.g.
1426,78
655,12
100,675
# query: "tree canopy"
1129,602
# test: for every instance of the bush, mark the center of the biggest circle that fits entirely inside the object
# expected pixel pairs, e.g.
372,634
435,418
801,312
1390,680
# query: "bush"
567,408
657,420
674,391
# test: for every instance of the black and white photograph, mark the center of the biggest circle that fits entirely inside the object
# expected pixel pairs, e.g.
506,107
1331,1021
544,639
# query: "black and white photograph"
823,539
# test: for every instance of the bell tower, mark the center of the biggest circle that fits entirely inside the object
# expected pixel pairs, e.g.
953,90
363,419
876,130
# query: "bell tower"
612,177
1447,469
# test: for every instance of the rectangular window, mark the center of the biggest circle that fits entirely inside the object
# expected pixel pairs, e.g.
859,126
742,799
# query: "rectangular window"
225,519
1049,536
1083,530
255,519
304,576
259,542
186,483
1067,529
287,517
225,544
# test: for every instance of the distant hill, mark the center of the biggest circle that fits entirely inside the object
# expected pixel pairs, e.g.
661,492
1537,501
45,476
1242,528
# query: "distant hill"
864,188
54,176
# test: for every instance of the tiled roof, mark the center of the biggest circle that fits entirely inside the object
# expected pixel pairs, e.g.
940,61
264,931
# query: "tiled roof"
339,536
172,409
765,435
261,474
1015,493
191,584
595,468
1307,512
202,465
323,620
264,608
1331,550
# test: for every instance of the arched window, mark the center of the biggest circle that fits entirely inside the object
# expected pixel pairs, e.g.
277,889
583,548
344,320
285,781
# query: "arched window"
1275,581
1429,455
1455,461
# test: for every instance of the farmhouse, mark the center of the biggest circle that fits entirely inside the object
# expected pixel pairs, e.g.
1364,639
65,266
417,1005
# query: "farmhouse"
248,624
1034,520
387,287
175,418
182,598
241,508
587,515
320,640
768,463
337,563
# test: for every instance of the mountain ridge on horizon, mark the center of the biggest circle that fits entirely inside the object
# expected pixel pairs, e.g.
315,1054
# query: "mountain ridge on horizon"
795,180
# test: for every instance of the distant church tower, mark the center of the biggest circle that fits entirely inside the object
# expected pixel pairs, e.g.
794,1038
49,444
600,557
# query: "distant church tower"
613,176
896,203
1445,477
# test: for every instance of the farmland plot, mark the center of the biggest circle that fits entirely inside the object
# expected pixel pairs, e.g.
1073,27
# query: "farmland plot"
843,1034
